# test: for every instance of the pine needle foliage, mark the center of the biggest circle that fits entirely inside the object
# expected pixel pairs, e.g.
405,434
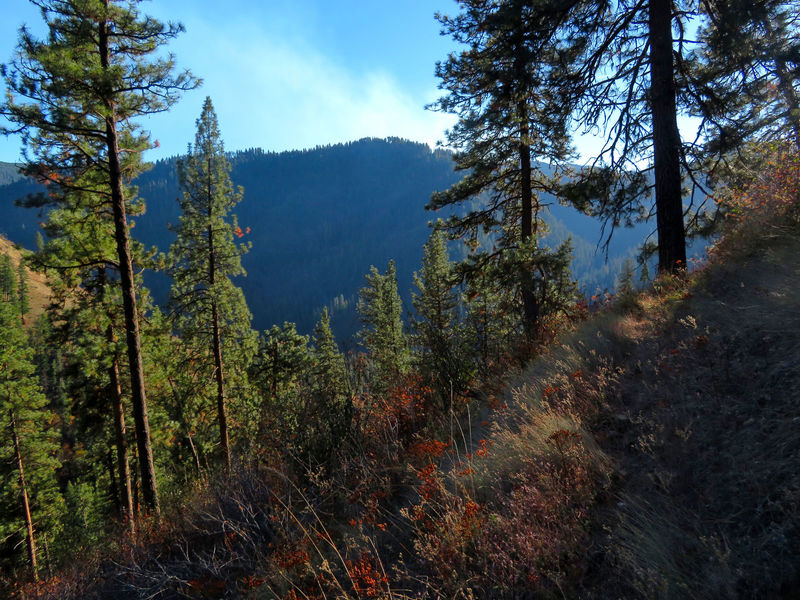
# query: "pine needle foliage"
381,312
511,115
30,502
438,334
75,98
210,310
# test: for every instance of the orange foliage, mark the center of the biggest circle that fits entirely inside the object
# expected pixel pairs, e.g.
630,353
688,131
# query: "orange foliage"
428,449
367,580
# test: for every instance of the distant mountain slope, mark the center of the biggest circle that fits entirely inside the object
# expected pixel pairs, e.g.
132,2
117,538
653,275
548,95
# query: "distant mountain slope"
9,173
319,218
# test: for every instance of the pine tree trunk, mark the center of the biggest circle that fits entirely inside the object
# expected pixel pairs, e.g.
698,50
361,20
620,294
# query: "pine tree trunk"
529,303
123,465
112,476
221,412
790,99
26,507
138,395
219,375
666,140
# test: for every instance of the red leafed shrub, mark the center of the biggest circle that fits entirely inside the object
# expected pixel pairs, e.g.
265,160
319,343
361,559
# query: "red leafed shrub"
394,416
761,199
428,449
368,581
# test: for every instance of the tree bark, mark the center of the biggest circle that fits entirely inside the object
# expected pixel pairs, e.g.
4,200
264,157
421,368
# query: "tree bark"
26,507
666,140
123,465
529,301
221,412
195,456
219,375
138,395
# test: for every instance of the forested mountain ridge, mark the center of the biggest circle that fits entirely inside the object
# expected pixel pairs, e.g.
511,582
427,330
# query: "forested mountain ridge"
318,218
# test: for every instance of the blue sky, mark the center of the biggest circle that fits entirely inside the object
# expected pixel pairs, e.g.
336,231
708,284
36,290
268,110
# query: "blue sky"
287,74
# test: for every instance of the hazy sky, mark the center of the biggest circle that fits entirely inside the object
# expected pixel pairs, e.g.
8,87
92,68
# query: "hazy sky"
287,74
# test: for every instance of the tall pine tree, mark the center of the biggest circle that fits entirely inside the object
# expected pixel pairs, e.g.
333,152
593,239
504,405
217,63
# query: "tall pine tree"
622,77
212,314
747,70
30,498
75,98
510,117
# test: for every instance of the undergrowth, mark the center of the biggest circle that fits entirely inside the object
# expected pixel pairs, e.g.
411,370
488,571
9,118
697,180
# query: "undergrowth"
649,453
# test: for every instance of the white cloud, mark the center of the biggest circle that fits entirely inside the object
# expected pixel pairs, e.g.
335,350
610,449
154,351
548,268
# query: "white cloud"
282,94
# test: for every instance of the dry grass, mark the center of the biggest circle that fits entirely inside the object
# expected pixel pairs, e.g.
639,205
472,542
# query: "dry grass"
37,282
708,500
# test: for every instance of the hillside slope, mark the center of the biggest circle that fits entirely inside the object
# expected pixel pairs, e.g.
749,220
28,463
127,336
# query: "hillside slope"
39,292
703,426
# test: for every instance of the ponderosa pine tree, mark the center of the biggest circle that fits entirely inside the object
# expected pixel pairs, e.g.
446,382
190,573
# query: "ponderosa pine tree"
212,315
747,70
75,98
30,498
622,65
80,256
509,118
438,334
381,312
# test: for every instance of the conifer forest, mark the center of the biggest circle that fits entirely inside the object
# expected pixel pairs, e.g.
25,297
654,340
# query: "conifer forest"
561,377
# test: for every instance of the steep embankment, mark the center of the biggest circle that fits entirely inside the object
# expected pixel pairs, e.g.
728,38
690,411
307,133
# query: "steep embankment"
671,422
704,430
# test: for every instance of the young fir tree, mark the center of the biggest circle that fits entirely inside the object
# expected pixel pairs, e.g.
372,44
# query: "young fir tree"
503,129
75,98
282,359
188,430
23,295
329,409
278,371
31,503
8,280
625,285
438,334
381,310
211,311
